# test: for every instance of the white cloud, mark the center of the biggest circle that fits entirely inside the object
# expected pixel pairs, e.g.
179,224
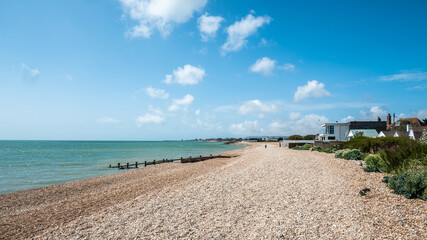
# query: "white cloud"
149,118
297,123
405,77
29,73
155,116
159,14
373,113
107,120
287,67
246,128
421,114
264,65
348,119
156,93
188,75
313,89
182,103
208,25
257,107
68,77
197,112
240,30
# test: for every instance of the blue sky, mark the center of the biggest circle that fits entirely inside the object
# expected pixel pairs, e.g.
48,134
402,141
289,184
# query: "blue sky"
163,69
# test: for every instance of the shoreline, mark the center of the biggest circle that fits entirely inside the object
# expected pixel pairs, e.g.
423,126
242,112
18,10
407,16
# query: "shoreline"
40,164
63,194
260,193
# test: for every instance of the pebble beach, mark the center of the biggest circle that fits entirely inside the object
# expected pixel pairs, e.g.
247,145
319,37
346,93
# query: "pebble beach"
273,193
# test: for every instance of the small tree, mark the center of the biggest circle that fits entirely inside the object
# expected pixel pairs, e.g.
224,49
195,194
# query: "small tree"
280,139
309,137
424,121
295,137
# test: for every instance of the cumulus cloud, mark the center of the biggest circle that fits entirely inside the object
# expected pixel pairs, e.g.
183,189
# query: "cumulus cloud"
156,93
297,123
107,120
373,113
181,103
405,77
289,67
159,14
29,73
257,107
313,89
188,75
241,30
421,114
154,116
246,128
263,65
348,119
208,25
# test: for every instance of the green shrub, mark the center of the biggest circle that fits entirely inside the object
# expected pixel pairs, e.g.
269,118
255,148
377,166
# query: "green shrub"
295,137
303,147
400,157
340,153
317,148
370,168
368,145
374,163
327,150
353,155
411,184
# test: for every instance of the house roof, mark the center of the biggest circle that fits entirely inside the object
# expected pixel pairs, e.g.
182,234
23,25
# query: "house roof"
388,133
415,122
402,133
419,129
334,124
365,132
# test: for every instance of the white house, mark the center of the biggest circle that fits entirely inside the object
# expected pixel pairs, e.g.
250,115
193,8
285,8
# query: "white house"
335,132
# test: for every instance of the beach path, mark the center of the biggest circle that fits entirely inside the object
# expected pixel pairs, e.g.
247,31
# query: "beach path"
273,193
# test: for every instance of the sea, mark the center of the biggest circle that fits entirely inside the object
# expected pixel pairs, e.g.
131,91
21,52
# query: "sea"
33,164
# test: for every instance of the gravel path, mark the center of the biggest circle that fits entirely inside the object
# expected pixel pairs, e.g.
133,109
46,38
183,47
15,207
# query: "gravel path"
272,193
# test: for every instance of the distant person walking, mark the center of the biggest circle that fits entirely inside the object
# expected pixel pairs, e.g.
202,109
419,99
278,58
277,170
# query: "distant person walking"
265,146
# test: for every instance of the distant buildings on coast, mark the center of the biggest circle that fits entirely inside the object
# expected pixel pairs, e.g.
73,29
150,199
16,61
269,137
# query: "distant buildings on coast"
404,127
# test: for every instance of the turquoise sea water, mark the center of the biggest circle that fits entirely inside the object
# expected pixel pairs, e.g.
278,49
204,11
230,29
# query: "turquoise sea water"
31,164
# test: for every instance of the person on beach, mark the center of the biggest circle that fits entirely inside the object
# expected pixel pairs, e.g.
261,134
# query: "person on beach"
265,146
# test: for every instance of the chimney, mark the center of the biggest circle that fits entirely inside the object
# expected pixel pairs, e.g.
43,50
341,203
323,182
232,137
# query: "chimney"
388,119
394,117
379,119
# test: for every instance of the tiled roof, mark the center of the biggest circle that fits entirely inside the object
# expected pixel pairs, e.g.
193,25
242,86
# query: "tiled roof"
402,133
388,133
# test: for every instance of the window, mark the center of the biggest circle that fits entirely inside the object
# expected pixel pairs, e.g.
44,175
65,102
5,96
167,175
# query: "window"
331,138
331,129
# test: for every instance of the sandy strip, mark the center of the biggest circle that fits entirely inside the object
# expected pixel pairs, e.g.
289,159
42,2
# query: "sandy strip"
272,193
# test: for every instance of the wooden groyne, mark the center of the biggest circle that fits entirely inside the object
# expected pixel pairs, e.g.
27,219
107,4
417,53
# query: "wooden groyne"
154,162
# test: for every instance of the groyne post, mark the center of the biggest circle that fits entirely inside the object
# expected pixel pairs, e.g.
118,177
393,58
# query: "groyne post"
136,164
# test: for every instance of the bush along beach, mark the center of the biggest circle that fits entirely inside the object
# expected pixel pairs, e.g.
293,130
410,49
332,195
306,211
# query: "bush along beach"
303,147
403,158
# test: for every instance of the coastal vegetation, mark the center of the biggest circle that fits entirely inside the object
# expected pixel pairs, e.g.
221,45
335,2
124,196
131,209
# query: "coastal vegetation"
404,161
299,137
